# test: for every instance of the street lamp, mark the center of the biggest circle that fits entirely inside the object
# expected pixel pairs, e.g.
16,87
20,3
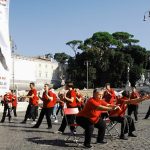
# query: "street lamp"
87,63
128,84
146,15
14,47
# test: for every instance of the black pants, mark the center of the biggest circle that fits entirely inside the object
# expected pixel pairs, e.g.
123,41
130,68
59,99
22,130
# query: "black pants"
36,111
104,115
127,124
79,108
6,107
47,112
30,112
14,110
134,109
89,128
60,108
68,119
148,113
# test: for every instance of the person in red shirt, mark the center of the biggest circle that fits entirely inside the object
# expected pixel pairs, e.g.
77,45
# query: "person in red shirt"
109,97
33,100
70,100
127,123
14,103
79,99
7,101
47,109
90,117
55,105
109,94
133,107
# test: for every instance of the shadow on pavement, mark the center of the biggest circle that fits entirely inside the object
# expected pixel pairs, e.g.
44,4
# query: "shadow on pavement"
54,142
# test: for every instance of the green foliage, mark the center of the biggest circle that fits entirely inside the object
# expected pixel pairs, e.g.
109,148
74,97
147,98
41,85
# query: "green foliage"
75,44
124,38
109,56
135,73
61,57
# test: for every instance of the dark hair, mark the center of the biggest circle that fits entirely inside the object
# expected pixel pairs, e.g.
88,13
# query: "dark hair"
97,90
107,84
46,84
126,94
133,87
32,83
70,84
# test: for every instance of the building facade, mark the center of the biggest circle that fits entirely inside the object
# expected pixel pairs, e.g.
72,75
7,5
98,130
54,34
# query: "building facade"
40,70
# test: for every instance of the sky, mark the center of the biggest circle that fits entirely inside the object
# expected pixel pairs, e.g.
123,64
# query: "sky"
39,27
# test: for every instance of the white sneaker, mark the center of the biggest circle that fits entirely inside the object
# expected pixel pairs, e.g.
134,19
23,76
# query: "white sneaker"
33,123
55,121
53,117
28,119
58,132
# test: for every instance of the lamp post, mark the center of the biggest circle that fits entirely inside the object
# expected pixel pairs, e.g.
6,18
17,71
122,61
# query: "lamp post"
14,47
87,63
146,15
128,84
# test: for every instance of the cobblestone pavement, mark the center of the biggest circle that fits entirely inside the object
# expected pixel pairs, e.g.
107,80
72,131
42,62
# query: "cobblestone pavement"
16,136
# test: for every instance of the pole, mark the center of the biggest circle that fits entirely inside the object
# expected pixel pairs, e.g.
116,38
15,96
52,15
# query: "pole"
87,65
13,64
13,72
128,82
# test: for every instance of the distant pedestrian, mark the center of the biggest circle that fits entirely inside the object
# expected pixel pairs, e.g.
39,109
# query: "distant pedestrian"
7,102
133,108
14,103
61,102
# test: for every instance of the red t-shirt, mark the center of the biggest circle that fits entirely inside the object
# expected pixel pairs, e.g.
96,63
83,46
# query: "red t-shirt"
123,106
134,95
79,104
7,98
14,101
71,94
46,102
109,98
90,110
35,99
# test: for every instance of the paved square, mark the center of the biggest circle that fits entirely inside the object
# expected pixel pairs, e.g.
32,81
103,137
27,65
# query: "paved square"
17,136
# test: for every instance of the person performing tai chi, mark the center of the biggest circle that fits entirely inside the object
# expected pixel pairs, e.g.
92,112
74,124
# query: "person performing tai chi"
90,117
47,109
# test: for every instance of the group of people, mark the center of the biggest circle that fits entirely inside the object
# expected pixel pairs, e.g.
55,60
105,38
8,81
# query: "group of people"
9,102
104,103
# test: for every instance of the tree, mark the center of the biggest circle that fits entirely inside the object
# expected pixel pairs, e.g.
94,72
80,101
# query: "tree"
138,54
109,56
49,56
61,57
74,45
124,39
135,74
